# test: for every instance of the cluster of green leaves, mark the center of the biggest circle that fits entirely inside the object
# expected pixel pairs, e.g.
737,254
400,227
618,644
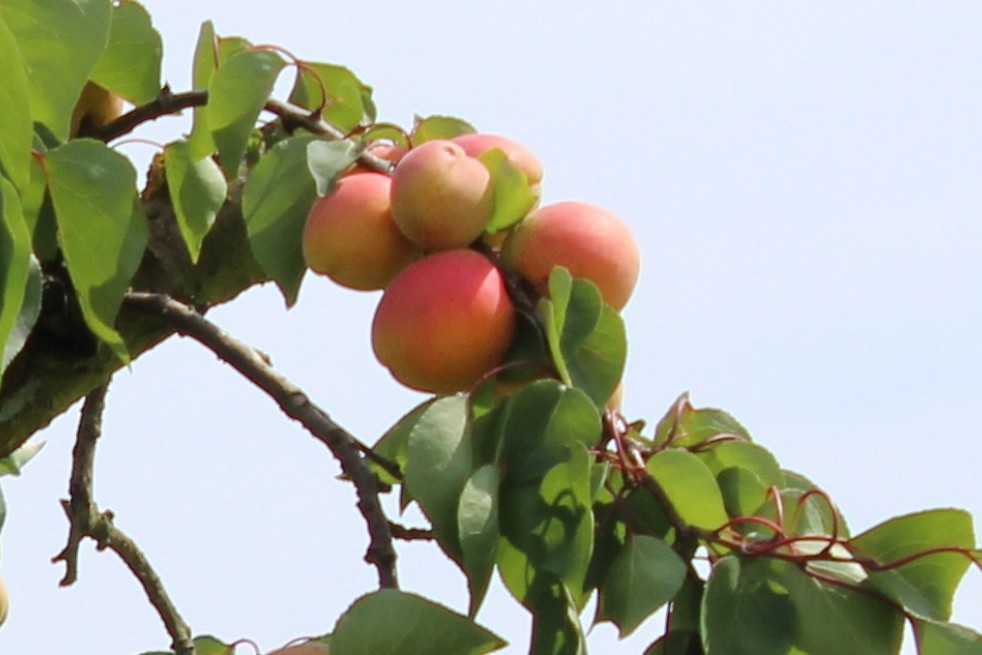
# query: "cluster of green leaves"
549,489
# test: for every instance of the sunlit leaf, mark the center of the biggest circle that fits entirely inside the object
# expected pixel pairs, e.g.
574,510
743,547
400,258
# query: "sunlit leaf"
277,197
646,574
924,585
684,425
345,101
392,622
60,41
237,93
197,191
102,230
691,488
512,197
14,463
130,64
439,127
16,132
328,159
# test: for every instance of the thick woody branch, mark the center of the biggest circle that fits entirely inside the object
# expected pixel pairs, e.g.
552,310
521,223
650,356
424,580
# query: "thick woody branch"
295,404
87,521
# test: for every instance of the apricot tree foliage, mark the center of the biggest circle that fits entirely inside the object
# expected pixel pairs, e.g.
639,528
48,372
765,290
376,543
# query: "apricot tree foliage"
530,473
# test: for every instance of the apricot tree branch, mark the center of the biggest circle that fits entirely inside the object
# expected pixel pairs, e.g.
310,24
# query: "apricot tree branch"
294,402
85,520
167,103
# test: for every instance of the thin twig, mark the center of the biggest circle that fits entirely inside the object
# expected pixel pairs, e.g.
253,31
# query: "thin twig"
85,520
295,404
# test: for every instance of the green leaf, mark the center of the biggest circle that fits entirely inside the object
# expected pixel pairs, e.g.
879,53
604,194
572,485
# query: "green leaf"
237,93
197,191
746,474
328,159
277,197
512,197
394,444
16,132
683,425
102,229
130,64
833,619
691,488
586,338
15,263
204,65
547,532
936,638
392,622
345,101
477,525
439,127
438,465
60,42
808,511
556,628
14,463
925,585
545,420
646,575
743,612
29,311
208,645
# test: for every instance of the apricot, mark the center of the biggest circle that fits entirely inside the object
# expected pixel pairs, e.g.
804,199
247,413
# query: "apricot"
441,197
590,241
96,107
444,322
350,237
523,159
4,602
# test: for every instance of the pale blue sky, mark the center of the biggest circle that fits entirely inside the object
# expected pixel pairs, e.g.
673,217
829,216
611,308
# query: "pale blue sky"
803,179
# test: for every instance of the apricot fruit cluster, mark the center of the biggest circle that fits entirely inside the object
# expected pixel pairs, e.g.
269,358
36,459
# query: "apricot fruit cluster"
446,319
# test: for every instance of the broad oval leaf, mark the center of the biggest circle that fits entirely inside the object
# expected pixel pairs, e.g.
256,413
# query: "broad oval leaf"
237,93
691,488
477,525
925,585
277,197
102,230
439,127
16,132
130,64
743,613
15,263
683,425
937,638
512,197
345,101
197,191
646,574
60,42
438,465
544,420
393,622
326,160
30,309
